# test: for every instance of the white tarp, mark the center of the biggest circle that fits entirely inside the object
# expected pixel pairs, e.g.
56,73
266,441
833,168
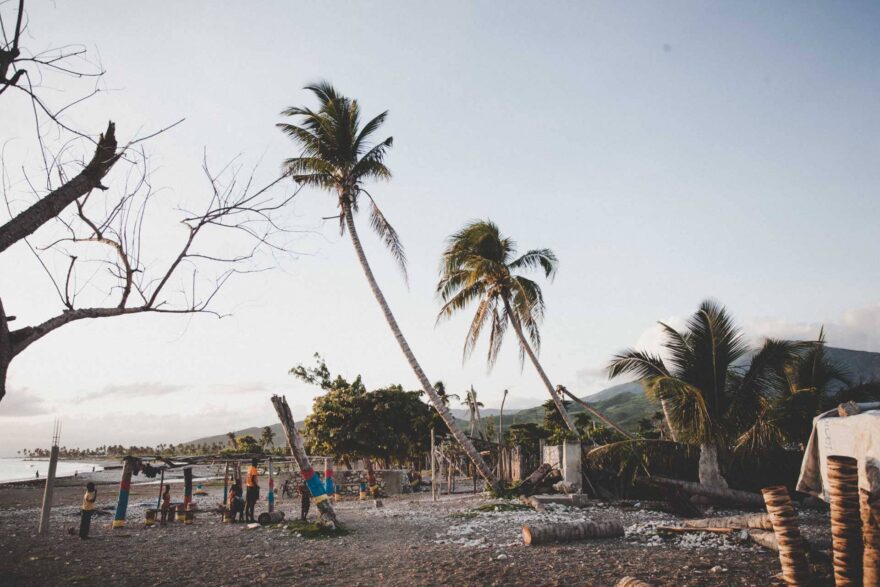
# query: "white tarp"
852,436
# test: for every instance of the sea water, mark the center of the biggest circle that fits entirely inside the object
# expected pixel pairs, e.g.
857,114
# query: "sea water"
25,469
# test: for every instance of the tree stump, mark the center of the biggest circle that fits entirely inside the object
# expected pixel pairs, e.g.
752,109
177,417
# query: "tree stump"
846,532
272,517
632,582
871,537
534,534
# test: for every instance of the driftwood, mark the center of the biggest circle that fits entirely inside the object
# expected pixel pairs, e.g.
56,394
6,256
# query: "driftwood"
632,582
725,495
569,531
534,503
574,499
744,522
528,486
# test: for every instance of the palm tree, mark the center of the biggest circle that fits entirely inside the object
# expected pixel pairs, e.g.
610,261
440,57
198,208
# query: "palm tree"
338,156
233,441
708,396
480,264
473,405
267,437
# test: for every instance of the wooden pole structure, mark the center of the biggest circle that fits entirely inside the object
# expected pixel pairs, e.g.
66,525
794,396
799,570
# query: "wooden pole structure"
128,464
372,485
846,521
294,441
271,496
792,548
161,487
501,468
226,485
50,480
433,467
187,486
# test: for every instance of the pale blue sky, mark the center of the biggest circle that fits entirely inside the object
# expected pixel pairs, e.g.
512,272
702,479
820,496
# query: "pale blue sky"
666,151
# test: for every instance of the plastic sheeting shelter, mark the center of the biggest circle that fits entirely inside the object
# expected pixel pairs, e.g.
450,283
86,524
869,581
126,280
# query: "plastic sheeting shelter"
855,436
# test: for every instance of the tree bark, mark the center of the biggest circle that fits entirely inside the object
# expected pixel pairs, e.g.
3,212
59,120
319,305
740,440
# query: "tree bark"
709,469
528,486
465,443
517,327
50,205
727,495
569,531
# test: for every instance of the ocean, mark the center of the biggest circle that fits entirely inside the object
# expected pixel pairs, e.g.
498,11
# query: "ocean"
22,470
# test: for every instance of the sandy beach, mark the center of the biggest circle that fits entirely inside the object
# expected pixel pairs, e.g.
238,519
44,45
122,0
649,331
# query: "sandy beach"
409,541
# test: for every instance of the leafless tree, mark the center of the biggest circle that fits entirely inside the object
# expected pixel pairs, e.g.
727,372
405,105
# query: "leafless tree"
97,221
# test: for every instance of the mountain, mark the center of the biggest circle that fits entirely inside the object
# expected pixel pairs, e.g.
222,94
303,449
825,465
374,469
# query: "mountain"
254,431
625,403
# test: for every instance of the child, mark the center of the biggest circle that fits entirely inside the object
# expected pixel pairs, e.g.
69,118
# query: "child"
166,504
88,508
236,503
306,501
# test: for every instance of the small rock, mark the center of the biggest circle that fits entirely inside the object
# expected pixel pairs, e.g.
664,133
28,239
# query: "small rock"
501,557
716,569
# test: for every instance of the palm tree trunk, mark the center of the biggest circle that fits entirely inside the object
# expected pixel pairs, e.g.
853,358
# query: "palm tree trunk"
668,421
709,470
447,417
525,343
605,419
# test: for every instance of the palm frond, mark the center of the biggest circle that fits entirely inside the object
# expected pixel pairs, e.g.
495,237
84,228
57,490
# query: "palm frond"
544,259
642,364
389,236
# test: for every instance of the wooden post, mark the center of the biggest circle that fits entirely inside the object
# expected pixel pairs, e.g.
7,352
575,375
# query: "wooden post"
871,538
161,488
294,441
225,485
128,464
271,496
433,468
328,479
187,486
50,487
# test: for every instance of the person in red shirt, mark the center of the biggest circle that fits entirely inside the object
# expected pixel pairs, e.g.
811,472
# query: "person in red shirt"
253,491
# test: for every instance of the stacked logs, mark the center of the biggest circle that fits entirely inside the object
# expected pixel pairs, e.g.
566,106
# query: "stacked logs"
792,552
846,536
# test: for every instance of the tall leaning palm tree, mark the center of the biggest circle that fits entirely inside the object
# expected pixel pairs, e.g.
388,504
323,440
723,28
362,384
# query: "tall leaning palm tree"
338,154
481,265
710,398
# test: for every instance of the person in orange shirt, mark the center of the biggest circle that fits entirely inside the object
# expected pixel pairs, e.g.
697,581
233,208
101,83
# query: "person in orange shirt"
253,491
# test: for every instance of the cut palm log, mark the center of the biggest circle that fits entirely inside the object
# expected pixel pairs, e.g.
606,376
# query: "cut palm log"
765,538
632,582
534,534
725,495
744,522
528,486
272,517
791,545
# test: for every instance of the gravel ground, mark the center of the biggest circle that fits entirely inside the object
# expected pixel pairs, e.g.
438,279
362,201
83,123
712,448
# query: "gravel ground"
410,541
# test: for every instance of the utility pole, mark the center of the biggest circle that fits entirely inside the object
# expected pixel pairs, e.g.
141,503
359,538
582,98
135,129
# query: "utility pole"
50,479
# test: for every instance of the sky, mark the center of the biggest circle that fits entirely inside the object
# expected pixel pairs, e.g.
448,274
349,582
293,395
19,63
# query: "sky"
667,152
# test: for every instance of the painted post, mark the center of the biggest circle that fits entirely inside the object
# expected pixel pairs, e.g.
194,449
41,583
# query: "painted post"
226,485
50,487
187,486
433,468
271,496
128,465
328,479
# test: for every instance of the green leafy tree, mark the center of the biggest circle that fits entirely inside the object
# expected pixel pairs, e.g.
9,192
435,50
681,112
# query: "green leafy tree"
708,399
338,155
267,437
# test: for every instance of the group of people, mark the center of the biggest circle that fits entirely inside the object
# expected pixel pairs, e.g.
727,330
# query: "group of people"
241,505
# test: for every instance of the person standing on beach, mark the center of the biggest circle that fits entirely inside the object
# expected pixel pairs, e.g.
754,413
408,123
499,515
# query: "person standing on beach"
88,509
253,491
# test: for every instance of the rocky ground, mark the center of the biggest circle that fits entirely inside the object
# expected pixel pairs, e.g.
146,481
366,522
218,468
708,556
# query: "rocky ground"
410,541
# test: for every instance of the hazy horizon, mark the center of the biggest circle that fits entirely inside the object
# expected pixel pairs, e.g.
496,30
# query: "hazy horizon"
666,153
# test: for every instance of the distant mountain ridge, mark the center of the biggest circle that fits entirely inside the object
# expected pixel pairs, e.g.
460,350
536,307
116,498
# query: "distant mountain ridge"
625,403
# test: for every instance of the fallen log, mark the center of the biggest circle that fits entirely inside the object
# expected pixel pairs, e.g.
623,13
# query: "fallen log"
533,503
765,538
726,495
631,582
528,486
574,499
267,518
744,522
681,530
534,534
